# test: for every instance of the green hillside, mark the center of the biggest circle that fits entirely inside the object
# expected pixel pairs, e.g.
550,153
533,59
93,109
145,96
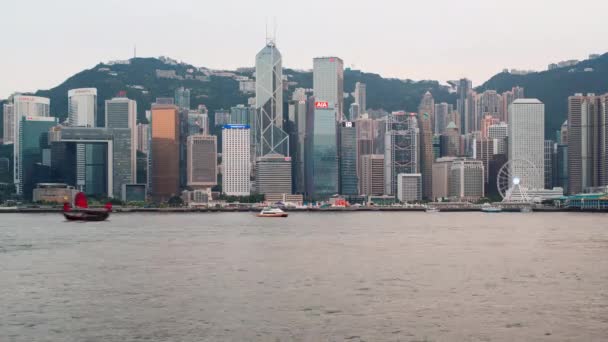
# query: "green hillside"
553,87
223,92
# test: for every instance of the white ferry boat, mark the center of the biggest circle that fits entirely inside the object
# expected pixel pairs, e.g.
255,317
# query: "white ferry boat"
272,212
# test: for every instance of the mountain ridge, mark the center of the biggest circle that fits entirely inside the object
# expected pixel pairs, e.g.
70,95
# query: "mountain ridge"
140,81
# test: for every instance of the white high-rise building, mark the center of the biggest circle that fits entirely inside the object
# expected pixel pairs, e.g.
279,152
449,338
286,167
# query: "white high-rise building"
9,123
409,187
236,170
527,139
143,137
328,82
499,132
82,107
25,106
360,99
121,112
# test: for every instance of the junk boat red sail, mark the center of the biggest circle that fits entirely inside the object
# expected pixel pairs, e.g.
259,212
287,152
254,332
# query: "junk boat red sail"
82,212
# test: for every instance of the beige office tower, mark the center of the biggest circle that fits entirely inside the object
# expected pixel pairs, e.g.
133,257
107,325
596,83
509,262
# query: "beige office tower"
202,161
372,174
425,118
466,180
441,174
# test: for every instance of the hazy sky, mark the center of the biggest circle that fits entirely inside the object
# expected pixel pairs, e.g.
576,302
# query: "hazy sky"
44,42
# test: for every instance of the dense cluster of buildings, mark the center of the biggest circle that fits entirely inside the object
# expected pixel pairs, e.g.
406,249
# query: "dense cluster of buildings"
306,148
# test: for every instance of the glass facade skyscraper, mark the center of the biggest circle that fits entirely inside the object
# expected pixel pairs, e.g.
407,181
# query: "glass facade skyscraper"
33,136
25,106
401,149
323,175
348,158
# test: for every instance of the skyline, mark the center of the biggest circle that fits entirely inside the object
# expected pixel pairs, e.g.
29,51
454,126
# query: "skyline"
389,42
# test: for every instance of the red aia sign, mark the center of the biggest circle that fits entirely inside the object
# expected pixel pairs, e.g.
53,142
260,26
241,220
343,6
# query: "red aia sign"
321,104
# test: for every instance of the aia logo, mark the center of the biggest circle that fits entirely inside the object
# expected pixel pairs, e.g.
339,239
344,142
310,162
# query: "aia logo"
321,104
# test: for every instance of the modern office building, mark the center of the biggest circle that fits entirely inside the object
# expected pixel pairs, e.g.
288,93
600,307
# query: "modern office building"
121,112
33,136
29,107
270,137
82,108
587,136
372,174
107,157
202,161
197,123
221,117
348,158
463,88
143,138
409,187
401,149
507,99
273,175
549,153
561,171
298,130
426,123
442,112
450,142
527,139
487,121
484,151
328,82
360,99
182,98
242,115
323,167
8,127
367,137
466,180
236,171
441,182
163,175
499,132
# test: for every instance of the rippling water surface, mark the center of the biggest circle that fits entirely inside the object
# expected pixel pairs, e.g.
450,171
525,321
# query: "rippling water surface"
310,277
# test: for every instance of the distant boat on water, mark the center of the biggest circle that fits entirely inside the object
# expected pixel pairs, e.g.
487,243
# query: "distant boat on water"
82,212
487,208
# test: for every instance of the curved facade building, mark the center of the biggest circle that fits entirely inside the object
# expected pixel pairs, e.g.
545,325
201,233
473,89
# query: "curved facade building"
82,107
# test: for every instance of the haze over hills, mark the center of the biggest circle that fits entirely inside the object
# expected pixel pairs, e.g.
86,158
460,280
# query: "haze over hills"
141,81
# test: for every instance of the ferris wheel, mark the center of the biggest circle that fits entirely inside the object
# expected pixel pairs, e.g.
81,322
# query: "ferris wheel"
514,180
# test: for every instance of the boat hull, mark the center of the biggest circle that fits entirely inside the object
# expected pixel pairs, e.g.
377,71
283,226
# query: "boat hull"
93,216
273,215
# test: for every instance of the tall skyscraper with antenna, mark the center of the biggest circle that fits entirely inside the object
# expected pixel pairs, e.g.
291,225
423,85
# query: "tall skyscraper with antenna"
272,142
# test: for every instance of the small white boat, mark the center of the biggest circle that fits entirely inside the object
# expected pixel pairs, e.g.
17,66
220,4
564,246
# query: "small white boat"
272,212
525,210
431,210
486,208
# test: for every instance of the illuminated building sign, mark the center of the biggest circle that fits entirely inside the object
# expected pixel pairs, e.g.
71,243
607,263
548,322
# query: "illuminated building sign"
321,104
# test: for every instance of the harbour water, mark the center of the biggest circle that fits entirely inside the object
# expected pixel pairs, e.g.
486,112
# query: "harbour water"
366,276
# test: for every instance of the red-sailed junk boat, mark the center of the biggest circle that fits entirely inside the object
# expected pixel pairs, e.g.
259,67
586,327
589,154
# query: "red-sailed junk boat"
82,212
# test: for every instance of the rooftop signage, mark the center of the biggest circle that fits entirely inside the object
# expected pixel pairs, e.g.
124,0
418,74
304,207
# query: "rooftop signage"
236,127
